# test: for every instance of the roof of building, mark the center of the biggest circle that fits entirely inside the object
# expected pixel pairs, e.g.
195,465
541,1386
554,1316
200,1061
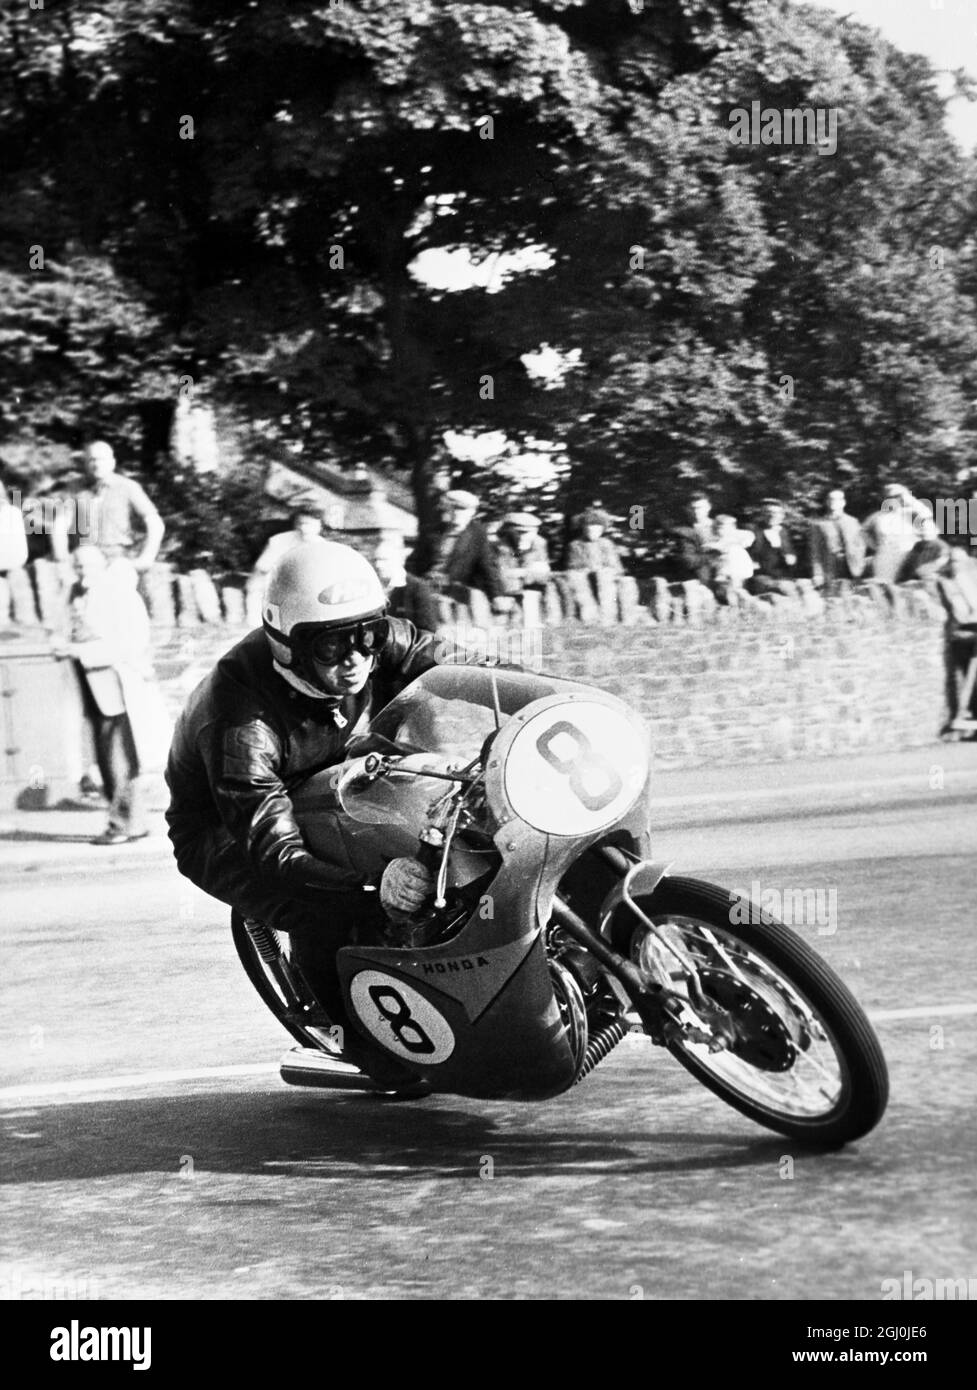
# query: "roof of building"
357,500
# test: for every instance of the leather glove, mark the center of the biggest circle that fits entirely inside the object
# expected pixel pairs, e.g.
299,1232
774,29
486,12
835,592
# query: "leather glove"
404,886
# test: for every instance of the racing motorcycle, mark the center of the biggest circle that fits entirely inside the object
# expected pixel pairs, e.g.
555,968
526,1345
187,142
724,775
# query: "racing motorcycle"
553,932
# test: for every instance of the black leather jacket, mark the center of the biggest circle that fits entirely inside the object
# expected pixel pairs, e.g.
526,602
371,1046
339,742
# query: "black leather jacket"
246,737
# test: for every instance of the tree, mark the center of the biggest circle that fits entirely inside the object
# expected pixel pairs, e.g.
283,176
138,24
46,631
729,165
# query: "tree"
262,181
74,336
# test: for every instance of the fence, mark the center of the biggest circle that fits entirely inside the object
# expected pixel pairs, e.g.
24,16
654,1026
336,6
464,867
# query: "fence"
36,596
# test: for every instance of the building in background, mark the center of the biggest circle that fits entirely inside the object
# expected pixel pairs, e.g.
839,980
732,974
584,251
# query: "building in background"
358,507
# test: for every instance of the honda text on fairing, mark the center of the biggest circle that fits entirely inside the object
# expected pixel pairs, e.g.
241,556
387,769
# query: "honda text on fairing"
553,933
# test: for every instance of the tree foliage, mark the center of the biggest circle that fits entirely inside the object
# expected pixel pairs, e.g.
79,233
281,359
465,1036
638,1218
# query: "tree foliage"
747,317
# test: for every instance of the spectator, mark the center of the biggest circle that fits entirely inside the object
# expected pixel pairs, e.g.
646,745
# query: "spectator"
522,554
457,511
837,544
110,639
696,557
732,566
13,537
772,553
306,526
891,532
929,557
46,511
471,561
956,584
408,596
591,549
108,513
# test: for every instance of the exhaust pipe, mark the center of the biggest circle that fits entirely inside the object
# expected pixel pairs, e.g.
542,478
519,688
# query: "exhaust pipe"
306,1066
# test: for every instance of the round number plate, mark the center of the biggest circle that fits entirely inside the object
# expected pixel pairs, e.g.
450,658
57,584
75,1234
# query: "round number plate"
576,768
401,1018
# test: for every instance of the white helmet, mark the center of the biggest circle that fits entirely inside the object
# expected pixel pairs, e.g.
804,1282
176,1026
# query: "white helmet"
322,600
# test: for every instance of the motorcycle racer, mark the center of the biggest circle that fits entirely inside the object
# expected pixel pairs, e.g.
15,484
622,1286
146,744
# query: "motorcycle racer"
281,705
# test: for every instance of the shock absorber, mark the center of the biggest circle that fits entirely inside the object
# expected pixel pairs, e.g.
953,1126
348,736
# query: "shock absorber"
600,1044
264,939
299,998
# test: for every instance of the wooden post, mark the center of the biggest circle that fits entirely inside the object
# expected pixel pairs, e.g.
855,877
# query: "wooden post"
532,608
205,596
661,600
23,606
552,607
232,599
52,585
606,597
188,615
481,608
631,611
159,589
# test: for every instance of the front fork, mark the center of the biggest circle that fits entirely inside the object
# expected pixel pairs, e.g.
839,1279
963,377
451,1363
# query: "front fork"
659,1007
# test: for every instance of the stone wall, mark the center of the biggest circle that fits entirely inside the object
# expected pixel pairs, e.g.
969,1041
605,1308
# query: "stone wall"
858,676
723,695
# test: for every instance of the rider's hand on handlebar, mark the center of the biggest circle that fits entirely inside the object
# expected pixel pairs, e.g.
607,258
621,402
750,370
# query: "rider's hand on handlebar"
405,885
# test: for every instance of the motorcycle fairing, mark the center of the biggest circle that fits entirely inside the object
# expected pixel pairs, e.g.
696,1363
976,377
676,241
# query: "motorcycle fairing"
507,1035
514,1048
559,795
504,1037
474,980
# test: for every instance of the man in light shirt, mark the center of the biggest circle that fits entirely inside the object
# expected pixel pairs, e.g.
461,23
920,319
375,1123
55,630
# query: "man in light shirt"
113,513
892,531
306,526
109,638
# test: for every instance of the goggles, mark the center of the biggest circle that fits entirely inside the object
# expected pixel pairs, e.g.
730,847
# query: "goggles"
330,646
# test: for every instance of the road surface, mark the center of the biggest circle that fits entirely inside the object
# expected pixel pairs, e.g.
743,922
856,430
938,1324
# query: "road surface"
152,1152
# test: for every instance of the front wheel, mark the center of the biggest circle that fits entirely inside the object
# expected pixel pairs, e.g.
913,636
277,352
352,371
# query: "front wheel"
774,1031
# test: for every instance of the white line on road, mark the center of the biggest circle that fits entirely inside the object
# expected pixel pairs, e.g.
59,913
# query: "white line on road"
134,1080
923,1011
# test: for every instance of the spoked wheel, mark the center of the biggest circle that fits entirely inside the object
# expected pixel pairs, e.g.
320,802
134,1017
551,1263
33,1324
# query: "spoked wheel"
271,978
573,1011
780,1038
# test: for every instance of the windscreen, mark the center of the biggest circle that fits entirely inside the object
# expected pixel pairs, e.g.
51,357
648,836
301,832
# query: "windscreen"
451,710
440,722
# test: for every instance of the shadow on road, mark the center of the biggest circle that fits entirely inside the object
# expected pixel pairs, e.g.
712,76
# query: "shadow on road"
298,1135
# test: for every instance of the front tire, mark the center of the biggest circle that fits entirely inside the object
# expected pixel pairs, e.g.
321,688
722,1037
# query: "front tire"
806,1061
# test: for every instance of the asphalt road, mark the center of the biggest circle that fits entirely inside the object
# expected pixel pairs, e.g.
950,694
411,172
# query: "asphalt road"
152,1152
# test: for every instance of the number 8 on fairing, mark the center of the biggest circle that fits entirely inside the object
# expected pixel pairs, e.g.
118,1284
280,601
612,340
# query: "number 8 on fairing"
401,1019
579,763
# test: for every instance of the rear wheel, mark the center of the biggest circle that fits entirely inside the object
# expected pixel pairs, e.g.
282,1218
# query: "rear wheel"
780,1038
272,983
